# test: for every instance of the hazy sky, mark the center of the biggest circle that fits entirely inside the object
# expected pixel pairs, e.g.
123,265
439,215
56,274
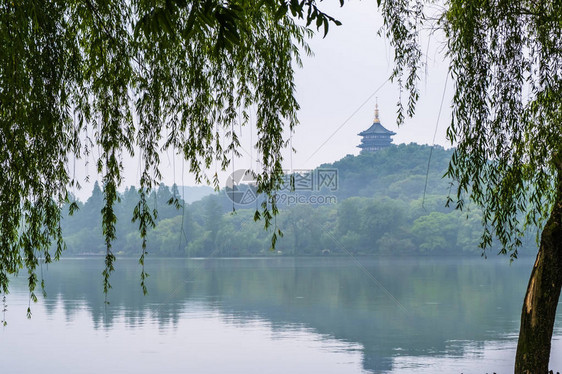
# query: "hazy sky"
348,66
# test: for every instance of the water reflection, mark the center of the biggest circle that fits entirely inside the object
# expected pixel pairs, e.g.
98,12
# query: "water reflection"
451,308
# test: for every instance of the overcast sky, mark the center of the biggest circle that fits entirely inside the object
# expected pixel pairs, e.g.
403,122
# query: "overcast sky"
347,68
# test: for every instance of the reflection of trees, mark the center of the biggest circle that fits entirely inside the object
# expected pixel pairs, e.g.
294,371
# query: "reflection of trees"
445,300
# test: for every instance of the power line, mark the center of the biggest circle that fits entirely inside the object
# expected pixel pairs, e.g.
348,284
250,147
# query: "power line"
347,120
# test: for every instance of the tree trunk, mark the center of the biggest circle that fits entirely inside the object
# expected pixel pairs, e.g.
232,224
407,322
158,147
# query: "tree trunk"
543,291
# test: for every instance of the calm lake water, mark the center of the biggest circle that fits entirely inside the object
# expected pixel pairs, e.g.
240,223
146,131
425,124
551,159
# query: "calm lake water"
279,315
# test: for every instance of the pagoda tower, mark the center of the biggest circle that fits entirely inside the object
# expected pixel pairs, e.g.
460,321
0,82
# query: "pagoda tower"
375,137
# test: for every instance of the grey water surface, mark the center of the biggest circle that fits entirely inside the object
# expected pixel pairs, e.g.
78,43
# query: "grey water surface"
272,315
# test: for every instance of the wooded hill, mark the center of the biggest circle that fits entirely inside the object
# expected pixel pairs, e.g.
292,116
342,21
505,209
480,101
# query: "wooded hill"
371,204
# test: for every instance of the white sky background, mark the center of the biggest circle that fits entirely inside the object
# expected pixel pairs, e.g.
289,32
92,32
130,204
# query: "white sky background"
346,69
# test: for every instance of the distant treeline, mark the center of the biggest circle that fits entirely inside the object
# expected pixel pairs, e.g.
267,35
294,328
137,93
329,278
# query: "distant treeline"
372,204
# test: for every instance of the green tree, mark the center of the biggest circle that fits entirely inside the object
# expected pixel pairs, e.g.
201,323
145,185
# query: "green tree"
435,232
505,58
213,221
377,217
131,76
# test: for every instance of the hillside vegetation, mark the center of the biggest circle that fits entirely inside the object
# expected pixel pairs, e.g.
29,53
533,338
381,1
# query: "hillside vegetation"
377,207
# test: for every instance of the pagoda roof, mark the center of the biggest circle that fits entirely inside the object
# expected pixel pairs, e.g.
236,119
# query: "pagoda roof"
376,128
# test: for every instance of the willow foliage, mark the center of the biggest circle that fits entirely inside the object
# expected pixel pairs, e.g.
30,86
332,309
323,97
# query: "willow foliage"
119,77
506,62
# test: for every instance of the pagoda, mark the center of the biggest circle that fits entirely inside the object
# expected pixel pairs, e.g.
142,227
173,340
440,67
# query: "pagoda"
375,137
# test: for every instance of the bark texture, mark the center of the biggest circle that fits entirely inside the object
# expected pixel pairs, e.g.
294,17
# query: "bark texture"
541,299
